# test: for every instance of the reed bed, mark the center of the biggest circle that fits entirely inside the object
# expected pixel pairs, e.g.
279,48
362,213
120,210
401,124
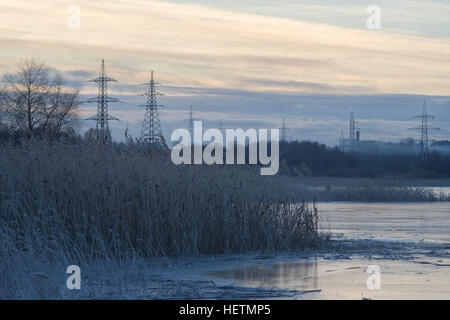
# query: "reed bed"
61,203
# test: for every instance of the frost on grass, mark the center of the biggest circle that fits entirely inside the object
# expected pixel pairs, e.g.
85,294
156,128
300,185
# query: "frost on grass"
64,204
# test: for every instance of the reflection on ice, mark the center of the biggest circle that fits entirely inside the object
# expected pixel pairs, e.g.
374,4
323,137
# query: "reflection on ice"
303,274
410,243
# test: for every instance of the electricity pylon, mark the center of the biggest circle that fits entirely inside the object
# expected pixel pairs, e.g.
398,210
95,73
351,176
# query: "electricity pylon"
424,128
283,131
342,141
102,133
191,123
352,134
151,133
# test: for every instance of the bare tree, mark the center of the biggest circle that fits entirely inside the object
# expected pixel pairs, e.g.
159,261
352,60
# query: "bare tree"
60,111
37,101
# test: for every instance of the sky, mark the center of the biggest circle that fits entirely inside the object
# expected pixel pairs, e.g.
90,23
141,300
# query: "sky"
248,63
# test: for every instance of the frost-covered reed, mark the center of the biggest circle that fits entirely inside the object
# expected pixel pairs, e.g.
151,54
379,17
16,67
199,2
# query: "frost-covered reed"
62,203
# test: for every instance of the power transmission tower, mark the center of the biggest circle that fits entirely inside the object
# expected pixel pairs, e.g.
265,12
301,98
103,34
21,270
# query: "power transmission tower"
102,133
352,134
342,141
284,131
191,123
424,128
151,133
222,128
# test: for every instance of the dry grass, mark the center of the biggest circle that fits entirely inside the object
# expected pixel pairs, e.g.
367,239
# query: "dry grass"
62,203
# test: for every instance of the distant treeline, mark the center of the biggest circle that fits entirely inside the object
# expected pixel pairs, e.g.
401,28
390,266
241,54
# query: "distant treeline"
305,158
313,159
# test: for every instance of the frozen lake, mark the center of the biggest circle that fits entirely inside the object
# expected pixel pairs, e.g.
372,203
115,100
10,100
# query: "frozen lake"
409,243
388,221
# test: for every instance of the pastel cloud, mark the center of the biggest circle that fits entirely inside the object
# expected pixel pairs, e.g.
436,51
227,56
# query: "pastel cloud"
199,45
